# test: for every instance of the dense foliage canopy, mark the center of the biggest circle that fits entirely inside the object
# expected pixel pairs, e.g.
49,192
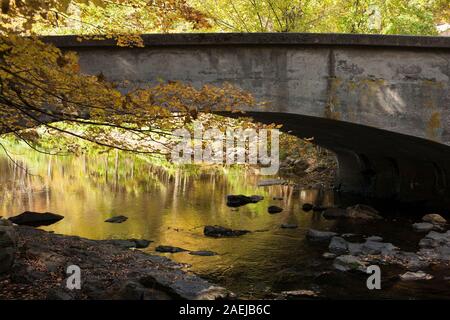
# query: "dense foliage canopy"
354,16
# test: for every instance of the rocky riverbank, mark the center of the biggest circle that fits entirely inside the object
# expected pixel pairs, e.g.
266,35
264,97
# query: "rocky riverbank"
33,265
433,248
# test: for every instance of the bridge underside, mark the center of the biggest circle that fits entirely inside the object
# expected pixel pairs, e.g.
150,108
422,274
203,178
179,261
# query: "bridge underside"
376,163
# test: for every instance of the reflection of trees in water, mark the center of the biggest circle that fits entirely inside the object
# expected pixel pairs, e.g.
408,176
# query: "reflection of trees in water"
87,189
167,206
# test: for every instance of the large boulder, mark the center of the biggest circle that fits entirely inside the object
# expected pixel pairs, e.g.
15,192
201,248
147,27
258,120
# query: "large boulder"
36,219
218,232
178,285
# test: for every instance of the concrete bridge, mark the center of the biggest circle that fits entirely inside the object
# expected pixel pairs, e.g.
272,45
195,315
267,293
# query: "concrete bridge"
381,103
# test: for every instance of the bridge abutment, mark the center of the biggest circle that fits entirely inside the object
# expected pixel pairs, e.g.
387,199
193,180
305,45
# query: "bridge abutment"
404,180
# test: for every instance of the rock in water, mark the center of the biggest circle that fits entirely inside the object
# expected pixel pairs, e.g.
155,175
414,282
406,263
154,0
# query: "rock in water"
117,219
241,200
435,239
274,209
130,243
423,226
435,246
203,253
289,226
307,207
347,263
169,249
338,245
316,235
434,218
237,200
141,243
376,247
414,276
36,219
218,232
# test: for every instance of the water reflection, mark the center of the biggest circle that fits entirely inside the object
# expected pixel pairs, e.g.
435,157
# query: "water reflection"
171,207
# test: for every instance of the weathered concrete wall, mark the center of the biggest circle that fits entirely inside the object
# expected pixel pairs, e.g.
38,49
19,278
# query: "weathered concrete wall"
400,84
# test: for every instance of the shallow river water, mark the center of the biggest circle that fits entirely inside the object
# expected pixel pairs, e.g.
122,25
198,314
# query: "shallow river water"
171,207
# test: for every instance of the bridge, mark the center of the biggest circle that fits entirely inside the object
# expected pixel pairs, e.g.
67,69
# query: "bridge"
381,103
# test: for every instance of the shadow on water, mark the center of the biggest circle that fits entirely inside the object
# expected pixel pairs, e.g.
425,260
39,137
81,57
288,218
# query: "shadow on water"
171,207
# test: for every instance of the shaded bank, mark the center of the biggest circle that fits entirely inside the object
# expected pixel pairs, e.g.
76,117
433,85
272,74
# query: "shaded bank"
108,271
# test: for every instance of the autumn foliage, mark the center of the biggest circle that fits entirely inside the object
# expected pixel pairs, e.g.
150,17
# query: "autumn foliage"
41,85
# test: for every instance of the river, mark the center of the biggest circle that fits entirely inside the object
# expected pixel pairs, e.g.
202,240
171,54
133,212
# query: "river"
171,206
